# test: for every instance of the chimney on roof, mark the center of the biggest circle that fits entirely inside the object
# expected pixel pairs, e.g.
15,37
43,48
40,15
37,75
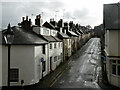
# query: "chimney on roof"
23,18
26,18
60,23
25,23
66,27
54,23
38,20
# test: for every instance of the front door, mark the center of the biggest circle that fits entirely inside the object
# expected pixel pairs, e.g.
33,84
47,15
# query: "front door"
50,64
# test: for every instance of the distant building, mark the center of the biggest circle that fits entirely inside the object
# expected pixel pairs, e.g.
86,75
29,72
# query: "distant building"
112,43
65,38
74,37
54,46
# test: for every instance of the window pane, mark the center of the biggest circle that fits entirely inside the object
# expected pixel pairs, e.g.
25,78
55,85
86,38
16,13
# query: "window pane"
118,70
55,45
118,61
50,46
14,75
43,49
113,69
55,58
113,61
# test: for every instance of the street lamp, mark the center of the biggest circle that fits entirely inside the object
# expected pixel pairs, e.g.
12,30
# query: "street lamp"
9,39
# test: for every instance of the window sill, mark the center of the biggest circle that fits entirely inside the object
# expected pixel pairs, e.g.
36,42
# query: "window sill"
115,75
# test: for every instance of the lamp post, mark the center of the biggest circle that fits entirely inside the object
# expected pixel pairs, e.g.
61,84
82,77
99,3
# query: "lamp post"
8,39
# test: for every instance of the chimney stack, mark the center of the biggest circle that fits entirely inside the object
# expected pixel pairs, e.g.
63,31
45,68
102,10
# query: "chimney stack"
38,20
26,18
23,18
60,23
25,23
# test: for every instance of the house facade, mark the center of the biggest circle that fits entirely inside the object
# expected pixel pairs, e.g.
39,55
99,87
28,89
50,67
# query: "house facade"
112,43
27,57
62,34
54,46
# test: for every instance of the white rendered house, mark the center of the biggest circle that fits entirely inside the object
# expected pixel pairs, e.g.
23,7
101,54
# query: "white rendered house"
55,45
28,61
112,42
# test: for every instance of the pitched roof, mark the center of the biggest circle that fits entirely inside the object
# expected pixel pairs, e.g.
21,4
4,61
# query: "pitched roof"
63,35
48,25
57,39
24,37
49,38
72,33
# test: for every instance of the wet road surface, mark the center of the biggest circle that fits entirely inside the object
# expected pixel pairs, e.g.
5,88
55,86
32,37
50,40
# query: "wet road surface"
83,68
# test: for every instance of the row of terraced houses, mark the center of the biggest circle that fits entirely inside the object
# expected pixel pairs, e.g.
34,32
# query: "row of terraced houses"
36,50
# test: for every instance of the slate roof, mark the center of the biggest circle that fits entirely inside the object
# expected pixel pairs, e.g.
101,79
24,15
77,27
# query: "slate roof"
72,33
63,35
48,25
57,39
49,38
78,33
24,37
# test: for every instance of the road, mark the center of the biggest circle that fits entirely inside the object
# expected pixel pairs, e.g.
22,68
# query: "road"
83,68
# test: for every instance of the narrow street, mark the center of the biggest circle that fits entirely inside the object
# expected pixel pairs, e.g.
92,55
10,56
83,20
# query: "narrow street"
83,69
80,71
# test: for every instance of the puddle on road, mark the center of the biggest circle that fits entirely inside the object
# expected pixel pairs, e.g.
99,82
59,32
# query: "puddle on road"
62,81
88,83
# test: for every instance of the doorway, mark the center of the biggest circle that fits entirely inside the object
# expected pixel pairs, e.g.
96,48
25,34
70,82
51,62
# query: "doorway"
50,64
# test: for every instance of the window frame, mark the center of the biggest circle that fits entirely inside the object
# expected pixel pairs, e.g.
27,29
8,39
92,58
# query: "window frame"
55,46
43,50
12,76
50,45
116,64
55,58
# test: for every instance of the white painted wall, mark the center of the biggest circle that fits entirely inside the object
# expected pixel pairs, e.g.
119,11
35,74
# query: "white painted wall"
114,38
53,32
112,42
55,52
38,63
22,57
41,30
4,65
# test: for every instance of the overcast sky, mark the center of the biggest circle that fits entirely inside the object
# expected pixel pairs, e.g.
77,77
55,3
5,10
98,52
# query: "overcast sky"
84,12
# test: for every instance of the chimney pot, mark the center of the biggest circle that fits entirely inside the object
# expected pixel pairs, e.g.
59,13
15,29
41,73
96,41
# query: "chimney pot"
30,20
39,16
23,18
27,18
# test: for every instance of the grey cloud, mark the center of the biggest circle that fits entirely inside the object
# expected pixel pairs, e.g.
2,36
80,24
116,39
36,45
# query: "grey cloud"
13,11
82,13
68,15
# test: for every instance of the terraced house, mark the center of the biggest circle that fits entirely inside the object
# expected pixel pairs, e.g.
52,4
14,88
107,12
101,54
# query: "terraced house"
112,42
25,53
55,45
30,52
